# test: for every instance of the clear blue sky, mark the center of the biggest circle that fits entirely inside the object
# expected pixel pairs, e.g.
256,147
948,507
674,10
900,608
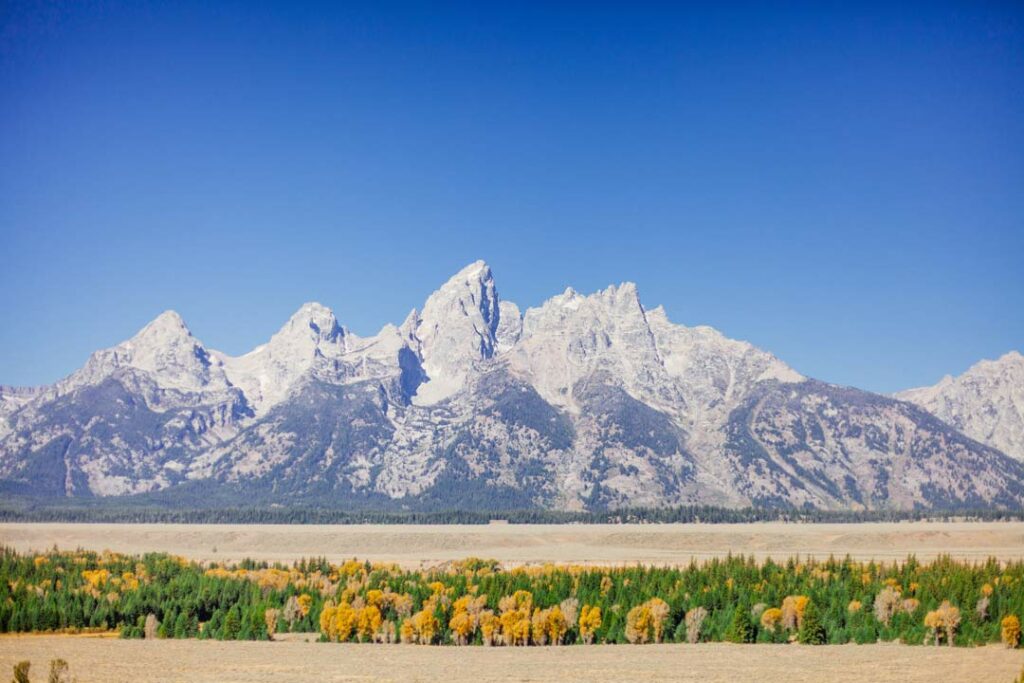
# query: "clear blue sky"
843,186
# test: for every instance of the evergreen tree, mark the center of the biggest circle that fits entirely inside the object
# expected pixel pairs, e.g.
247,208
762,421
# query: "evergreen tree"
740,629
811,631
232,624
181,626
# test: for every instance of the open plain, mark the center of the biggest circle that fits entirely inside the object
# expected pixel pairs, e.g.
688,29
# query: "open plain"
112,660
423,545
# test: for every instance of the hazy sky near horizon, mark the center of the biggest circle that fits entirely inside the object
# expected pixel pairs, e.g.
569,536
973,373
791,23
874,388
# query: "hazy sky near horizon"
840,185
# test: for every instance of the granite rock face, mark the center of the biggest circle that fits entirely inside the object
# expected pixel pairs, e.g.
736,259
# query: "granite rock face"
587,401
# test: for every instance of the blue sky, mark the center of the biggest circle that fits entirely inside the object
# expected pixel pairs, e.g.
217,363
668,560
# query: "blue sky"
843,186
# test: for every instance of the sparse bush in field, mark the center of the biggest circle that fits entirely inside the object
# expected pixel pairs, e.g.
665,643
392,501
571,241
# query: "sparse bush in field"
59,672
21,672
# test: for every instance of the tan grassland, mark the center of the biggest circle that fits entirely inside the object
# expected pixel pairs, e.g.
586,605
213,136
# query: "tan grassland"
108,659
414,546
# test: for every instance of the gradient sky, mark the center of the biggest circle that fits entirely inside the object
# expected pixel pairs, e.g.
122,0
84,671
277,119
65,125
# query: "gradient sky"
843,186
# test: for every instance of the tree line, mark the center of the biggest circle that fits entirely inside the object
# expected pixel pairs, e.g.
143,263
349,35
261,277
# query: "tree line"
478,602
104,512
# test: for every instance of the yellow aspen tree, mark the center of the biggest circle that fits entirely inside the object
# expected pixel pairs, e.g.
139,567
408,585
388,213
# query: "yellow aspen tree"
539,626
343,622
426,626
1010,631
557,626
327,619
659,613
408,631
462,627
490,628
369,620
943,622
645,622
771,618
375,598
305,602
589,622
793,607
270,619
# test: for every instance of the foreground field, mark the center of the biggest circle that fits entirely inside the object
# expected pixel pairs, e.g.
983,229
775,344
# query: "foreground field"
108,659
416,546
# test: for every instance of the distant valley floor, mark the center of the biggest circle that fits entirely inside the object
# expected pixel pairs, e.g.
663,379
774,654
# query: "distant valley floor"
422,545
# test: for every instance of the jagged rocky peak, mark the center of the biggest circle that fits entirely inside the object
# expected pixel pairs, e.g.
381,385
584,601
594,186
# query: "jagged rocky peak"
571,337
986,402
311,328
585,400
267,374
165,349
456,328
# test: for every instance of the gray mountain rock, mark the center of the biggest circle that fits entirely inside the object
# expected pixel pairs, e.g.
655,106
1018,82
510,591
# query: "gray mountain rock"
582,402
985,403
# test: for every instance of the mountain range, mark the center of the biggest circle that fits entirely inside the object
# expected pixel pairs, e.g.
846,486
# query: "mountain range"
585,402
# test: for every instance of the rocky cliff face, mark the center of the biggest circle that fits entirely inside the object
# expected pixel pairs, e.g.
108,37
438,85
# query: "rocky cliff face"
584,401
986,403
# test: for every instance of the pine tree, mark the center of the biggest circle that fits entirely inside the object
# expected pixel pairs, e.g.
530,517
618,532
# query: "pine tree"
811,631
232,624
181,626
740,629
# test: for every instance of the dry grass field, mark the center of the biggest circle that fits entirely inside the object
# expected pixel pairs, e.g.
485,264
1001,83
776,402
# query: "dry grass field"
414,546
110,659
